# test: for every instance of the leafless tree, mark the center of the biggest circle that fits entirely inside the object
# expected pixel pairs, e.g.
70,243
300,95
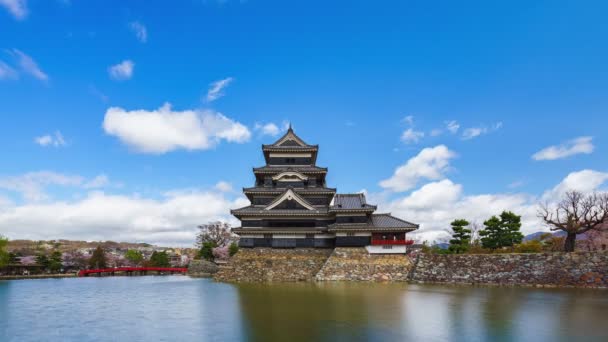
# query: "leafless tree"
216,232
475,228
577,213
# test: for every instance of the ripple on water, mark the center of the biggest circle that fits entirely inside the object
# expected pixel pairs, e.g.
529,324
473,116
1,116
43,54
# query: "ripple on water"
179,308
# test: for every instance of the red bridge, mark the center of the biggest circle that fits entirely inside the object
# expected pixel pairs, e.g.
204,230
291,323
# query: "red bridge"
130,270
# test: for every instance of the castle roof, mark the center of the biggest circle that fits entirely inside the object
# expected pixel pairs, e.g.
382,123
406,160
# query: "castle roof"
351,202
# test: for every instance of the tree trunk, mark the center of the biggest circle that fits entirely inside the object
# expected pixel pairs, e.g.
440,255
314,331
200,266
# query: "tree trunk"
569,243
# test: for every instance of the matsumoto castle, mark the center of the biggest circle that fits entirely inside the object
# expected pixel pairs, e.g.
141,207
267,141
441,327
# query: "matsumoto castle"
291,206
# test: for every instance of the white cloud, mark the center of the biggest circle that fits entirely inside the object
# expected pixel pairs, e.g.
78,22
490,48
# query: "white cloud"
452,126
436,204
216,89
436,132
474,132
411,136
170,220
409,120
584,181
223,186
18,8
432,194
581,145
430,163
32,185
7,73
271,128
122,71
28,65
139,30
163,130
99,181
55,140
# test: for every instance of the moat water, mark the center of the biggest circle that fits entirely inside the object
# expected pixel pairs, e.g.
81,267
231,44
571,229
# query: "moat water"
179,308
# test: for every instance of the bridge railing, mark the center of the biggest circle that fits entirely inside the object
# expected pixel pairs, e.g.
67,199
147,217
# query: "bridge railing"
83,273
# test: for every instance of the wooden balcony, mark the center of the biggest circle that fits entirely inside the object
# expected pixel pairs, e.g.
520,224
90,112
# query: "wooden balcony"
382,242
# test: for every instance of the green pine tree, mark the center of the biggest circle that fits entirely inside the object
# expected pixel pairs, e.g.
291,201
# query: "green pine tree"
461,238
134,256
490,235
501,232
511,225
42,260
233,249
98,259
4,255
159,259
206,251
55,261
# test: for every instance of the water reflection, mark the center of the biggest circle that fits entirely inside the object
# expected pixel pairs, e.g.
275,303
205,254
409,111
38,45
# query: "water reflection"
183,309
381,312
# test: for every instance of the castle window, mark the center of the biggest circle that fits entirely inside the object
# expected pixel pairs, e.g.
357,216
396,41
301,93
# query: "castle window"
350,234
310,236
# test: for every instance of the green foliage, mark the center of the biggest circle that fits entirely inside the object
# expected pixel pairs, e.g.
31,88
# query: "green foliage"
98,259
4,256
159,259
206,251
461,238
233,248
12,258
55,261
134,256
511,224
490,235
42,260
503,232
532,246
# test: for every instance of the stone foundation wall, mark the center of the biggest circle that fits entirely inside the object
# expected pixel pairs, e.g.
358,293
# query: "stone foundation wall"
585,269
201,268
542,269
266,265
355,264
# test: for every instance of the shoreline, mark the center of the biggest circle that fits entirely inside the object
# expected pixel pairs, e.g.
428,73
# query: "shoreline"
38,276
410,282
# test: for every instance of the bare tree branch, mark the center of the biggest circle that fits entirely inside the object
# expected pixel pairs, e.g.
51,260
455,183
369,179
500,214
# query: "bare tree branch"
576,214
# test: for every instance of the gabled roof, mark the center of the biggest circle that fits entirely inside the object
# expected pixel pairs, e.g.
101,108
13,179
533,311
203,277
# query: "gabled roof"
291,143
376,222
388,220
257,210
290,195
259,190
351,202
290,140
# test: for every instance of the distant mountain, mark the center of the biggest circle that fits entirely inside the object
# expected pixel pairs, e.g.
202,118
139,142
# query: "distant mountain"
537,235
30,246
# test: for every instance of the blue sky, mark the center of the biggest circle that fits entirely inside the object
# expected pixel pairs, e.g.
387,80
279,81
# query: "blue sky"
137,120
